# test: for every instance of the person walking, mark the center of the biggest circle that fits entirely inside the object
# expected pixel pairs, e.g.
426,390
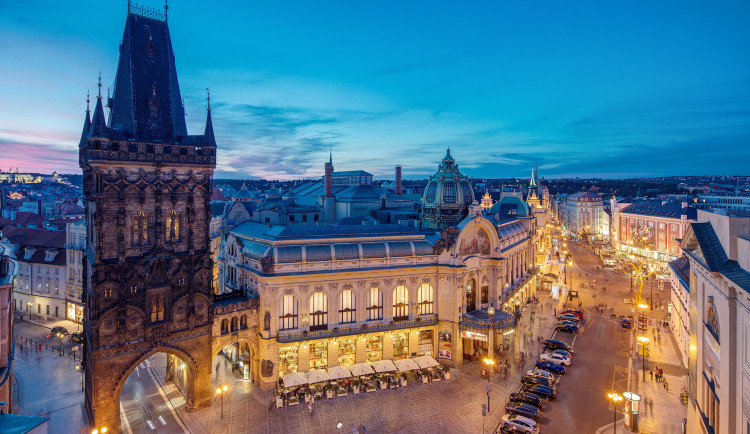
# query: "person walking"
651,372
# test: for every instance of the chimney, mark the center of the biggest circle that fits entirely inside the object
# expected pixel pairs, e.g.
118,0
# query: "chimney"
398,180
329,179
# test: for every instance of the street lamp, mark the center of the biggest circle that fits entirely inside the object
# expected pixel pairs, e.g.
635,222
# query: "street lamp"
82,369
644,344
221,391
615,397
101,430
28,309
60,336
490,365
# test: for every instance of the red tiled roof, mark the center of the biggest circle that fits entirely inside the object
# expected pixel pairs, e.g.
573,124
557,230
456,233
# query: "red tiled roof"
23,219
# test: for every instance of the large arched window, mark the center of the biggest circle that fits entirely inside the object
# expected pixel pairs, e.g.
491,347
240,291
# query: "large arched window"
375,304
318,311
425,300
347,309
431,190
235,324
224,326
243,322
449,192
288,310
400,303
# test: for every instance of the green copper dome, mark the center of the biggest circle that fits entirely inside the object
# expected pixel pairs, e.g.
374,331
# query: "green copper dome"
447,197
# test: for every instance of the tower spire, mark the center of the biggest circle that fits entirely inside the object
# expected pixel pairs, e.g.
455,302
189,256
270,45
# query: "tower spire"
166,9
88,100
100,85
208,98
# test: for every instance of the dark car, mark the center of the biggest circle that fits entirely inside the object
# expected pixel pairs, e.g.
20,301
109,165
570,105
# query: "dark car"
59,330
554,344
626,323
525,410
539,390
568,317
537,379
568,328
77,337
563,352
526,398
551,367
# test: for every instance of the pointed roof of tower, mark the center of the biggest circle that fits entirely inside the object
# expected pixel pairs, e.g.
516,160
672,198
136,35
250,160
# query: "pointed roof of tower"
209,132
86,124
146,103
532,181
98,124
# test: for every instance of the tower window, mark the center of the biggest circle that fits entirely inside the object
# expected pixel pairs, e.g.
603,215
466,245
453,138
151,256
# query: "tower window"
157,308
172,227
140,229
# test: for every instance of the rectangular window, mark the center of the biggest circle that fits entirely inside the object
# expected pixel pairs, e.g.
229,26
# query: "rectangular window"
291,217
304,218
400,346
319,355
315,217
485,294
347,351
425,342
287,360
47,309
374,346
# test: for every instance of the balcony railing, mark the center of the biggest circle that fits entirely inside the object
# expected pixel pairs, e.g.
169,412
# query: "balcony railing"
355,330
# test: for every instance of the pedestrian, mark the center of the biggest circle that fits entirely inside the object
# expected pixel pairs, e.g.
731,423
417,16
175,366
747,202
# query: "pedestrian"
666,385
309,406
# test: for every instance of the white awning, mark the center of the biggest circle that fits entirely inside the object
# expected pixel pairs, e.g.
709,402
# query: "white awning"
361,369
384,366
316,376
293,379
339,372
406,364
425,361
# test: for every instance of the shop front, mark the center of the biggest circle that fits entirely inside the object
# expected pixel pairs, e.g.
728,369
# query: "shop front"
74,312
238,354
476,335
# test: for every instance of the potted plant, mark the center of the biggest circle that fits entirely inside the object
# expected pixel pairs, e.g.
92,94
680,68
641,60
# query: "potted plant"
447,374
293,400
425,375
341,391
329,390
355,385
403,379
370,385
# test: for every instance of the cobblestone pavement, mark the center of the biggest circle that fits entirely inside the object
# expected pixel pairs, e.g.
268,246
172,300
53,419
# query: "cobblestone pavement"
452,406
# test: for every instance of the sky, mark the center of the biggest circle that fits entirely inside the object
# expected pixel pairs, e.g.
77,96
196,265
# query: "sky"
585,88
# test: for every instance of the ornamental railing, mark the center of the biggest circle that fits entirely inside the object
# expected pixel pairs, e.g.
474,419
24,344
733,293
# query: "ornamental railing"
423,321
483,323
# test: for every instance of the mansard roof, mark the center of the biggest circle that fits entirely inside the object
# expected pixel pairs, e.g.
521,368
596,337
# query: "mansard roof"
658,209
711,253
257,230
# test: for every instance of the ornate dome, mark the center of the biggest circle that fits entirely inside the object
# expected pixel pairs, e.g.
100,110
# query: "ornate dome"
447,197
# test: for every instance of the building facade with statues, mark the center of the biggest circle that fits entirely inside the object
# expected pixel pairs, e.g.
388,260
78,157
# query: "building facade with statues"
345,294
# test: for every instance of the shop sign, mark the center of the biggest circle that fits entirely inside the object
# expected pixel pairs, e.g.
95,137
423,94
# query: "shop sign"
472,335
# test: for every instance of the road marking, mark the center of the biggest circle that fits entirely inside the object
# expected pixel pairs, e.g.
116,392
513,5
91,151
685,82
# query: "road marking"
167,401
124,419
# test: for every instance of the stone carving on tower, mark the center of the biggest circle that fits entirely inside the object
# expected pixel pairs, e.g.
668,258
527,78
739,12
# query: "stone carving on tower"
147,267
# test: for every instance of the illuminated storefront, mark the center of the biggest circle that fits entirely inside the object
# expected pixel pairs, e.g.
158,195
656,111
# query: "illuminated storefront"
74,312
319,355
347,351
288,359
374,345
400,346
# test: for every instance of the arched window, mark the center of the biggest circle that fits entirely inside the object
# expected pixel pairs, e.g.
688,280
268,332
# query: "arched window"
471,295
449,192
347,309
224,326
467,193
425,300
318,311
375,304
288,316
235,324
431,190
400,303
243,322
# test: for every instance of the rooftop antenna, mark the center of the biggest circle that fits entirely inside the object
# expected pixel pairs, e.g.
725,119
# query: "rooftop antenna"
100,85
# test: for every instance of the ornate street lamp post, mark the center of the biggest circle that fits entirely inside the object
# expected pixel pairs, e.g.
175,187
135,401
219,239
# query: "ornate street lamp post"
615,397
644,345
221,391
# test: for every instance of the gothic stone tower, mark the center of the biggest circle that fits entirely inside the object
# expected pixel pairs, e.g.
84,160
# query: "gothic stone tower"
148,265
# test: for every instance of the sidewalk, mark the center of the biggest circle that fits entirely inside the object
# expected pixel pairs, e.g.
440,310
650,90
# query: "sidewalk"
41,321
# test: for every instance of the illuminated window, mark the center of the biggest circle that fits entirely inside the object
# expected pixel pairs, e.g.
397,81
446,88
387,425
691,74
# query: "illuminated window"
347,311
425,300
288,317
400,303
157,308
375,306
318,311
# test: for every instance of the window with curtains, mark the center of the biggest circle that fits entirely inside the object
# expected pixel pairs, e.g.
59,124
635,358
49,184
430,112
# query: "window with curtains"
425,300
375,304
347,309
400,303
288,309
318,311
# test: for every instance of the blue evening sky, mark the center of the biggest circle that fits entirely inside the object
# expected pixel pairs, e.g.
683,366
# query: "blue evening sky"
584,88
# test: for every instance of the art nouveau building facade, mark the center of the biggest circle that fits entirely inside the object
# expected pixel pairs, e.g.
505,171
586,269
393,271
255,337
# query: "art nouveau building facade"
718,248
339,295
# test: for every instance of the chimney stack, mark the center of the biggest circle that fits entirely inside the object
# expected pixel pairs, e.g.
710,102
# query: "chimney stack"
329,179
398,180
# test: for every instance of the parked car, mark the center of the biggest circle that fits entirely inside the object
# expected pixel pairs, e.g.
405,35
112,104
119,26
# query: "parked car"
568,317
554,344
541,373
626,323
563,352
565,322
519,423
551,367
524,410
578,312
77,337
567,328
537,379
557,359
526,398
539,390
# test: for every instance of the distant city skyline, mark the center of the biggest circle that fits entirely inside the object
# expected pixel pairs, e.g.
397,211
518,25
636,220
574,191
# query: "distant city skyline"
584,90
